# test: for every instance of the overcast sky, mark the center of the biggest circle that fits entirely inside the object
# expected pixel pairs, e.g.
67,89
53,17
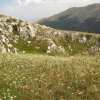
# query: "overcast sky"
33,10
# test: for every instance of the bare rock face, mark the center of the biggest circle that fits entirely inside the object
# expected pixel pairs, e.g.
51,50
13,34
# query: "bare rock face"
82,40
11,30
26,37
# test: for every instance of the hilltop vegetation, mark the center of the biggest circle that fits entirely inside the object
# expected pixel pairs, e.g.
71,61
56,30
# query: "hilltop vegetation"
26,37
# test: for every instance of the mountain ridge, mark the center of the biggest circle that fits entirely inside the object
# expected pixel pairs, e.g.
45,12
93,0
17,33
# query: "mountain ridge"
85,19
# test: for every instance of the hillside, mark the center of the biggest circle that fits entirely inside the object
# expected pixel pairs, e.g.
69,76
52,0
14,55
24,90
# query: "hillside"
85,19
28,71
26,37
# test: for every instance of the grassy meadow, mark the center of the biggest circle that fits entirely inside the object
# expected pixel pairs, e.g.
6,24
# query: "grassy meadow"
43,77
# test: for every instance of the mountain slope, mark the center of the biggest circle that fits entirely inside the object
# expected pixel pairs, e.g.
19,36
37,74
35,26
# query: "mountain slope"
86,19
25,37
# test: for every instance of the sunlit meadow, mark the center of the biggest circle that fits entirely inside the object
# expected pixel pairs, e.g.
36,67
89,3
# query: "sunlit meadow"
43,77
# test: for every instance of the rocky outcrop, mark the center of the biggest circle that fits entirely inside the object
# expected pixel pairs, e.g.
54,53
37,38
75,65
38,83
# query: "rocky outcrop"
26,37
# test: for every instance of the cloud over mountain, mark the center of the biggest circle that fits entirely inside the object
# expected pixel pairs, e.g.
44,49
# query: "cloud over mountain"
26,2
36,9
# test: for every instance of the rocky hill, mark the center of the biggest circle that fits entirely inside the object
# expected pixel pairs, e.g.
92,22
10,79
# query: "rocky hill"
17,36
85,19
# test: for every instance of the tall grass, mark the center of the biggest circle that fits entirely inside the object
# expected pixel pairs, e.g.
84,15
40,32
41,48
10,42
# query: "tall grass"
42,77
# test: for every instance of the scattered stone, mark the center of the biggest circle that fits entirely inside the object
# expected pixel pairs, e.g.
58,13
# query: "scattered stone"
14,32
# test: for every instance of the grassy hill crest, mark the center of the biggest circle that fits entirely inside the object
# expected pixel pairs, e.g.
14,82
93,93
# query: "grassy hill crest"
26,37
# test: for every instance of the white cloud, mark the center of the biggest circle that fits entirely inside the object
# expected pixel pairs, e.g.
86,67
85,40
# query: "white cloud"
9,7
37,9
26,2
19,2
32,2
86,2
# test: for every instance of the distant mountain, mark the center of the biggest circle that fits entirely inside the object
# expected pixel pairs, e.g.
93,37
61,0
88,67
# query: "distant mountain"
85,19
17,36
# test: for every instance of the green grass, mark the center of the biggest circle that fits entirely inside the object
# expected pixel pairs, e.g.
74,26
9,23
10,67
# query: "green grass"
42,77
